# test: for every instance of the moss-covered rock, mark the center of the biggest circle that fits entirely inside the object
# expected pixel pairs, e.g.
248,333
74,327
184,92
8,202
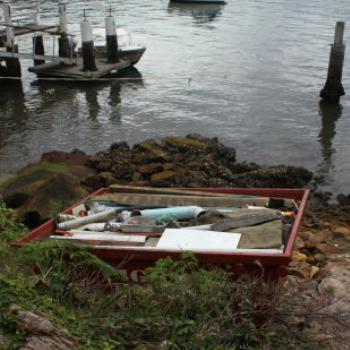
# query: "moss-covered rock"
163,178
53,195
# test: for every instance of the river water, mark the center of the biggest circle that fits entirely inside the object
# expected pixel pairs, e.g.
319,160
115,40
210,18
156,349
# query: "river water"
248,72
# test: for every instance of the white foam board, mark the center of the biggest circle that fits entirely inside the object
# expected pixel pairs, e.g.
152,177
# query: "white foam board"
199,240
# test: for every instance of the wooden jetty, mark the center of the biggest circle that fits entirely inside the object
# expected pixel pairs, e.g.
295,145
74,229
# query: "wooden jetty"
88,62
28,28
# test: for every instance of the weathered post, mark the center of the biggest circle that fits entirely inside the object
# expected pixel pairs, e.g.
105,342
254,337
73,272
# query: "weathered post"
10,32
13,66
89,63
64,46
333,88
111,40
38,40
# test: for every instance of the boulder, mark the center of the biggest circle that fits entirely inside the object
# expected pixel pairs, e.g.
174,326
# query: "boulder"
149,169
163,179
94,182
184,143
152,150
75,157
342,232
297,256
52,196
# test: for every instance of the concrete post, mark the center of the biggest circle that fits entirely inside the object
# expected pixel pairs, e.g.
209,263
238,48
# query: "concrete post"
10,32
111,40
13,66
38,40
64,46
62,11
87,46
333,88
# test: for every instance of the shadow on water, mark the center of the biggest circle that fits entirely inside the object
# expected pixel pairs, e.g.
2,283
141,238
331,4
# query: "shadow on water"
202,13
329,113
95,95
12,103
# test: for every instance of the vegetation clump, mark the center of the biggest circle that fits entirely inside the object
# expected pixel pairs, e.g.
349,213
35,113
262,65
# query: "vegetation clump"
179,305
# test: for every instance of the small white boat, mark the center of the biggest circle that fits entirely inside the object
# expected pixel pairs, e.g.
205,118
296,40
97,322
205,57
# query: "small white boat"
202,12
200,1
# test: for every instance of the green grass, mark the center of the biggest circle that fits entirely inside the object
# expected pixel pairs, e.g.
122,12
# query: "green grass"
180,305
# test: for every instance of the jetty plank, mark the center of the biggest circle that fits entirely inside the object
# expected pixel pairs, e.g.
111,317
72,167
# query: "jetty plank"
28,29
75,72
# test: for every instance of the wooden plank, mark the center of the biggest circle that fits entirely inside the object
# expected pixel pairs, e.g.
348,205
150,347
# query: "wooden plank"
158,190
173,200
30,28
74,71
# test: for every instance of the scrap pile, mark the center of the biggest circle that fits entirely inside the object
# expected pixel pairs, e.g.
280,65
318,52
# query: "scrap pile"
175,219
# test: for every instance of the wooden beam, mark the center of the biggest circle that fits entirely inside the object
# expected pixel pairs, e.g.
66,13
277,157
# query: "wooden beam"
176,200
27,55
152,190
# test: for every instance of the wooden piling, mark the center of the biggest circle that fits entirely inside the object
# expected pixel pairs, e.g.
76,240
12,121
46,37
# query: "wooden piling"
89,63
38,40
38,48
64,46
13,66
333,88
111,41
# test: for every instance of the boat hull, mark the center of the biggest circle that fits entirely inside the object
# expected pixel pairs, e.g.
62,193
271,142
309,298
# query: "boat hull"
128,57
199,1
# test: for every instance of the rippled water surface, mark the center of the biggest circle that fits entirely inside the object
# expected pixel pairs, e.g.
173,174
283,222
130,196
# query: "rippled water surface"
249,72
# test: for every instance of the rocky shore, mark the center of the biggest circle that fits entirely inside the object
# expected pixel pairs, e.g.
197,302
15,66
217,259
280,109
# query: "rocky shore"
192,161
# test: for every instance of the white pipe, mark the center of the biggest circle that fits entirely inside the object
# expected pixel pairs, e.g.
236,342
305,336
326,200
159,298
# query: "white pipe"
110,26
98,236
10,32
100,217
86,31
62,11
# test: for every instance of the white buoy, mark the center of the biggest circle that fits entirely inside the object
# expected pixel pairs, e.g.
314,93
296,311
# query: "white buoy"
13,66
64,44
62,11
111,40
36,15
10,32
